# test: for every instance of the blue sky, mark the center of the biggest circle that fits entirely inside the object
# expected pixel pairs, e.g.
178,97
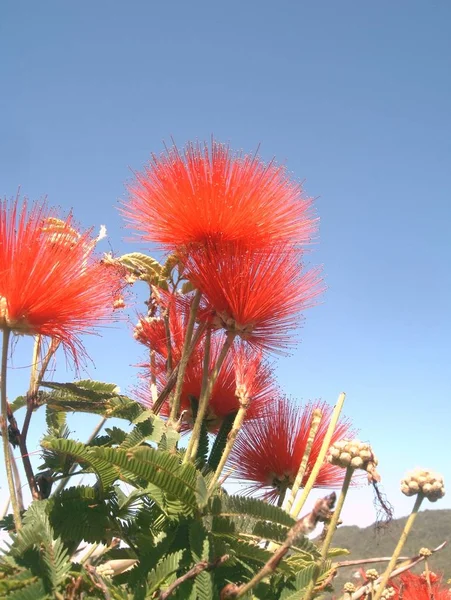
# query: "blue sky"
354,97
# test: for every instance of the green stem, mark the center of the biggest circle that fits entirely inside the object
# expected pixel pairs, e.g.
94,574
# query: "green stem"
330,532
399,547
321,456
175,409
205,397
172,379
314,425
237,423
203,387
4,429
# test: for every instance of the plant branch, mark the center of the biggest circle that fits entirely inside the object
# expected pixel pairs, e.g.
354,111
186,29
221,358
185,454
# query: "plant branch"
4,430
304,526
97,581
186,352
192,573
330,533
405,532
411,562
173,376
321,456
237,424
193,443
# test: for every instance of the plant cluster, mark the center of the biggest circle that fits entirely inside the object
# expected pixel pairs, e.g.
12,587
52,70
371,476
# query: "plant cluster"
159,520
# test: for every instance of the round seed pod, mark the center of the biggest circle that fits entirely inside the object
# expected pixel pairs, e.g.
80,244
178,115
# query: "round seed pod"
371,574
425,482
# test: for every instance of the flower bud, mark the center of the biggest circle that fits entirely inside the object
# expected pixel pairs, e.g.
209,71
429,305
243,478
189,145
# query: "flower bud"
425,482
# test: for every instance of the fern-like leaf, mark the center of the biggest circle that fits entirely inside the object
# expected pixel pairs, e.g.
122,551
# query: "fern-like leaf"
85,455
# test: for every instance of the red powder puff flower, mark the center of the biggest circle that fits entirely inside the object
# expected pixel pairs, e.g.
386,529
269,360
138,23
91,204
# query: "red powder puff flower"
49,283
256,294
203,194
268,451
409,586
241,367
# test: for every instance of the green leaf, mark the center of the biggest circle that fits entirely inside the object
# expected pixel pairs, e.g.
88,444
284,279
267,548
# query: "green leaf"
19,402
187,287
35,591
92,397
79,513
220,441
143,267
53,563
55,419
85,455
164,573
158,467
200,551
225,505
151,429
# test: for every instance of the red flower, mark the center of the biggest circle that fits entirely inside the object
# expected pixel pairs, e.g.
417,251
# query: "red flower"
204,194
257,294
409,586
268,451
49,282
241,367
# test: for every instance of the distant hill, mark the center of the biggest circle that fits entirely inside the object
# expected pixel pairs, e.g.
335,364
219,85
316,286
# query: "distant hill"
431,528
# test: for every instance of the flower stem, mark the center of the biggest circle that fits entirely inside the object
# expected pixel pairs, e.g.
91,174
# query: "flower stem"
330,532
321,456
35,381
399,547
175,409
4,429
237,423
314,425
205,397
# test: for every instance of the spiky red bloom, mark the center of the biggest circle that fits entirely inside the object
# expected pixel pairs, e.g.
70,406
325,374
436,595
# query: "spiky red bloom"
241,367
409,586
50,283
257,294
203,194
268,451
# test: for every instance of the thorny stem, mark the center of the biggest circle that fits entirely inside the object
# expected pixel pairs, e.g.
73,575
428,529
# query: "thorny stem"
4,429
62,484
175,409
304,526
321,456
205,397
237,423
314,425
330,532
405,532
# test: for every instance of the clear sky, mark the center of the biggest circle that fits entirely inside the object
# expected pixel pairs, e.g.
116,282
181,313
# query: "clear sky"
354,97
